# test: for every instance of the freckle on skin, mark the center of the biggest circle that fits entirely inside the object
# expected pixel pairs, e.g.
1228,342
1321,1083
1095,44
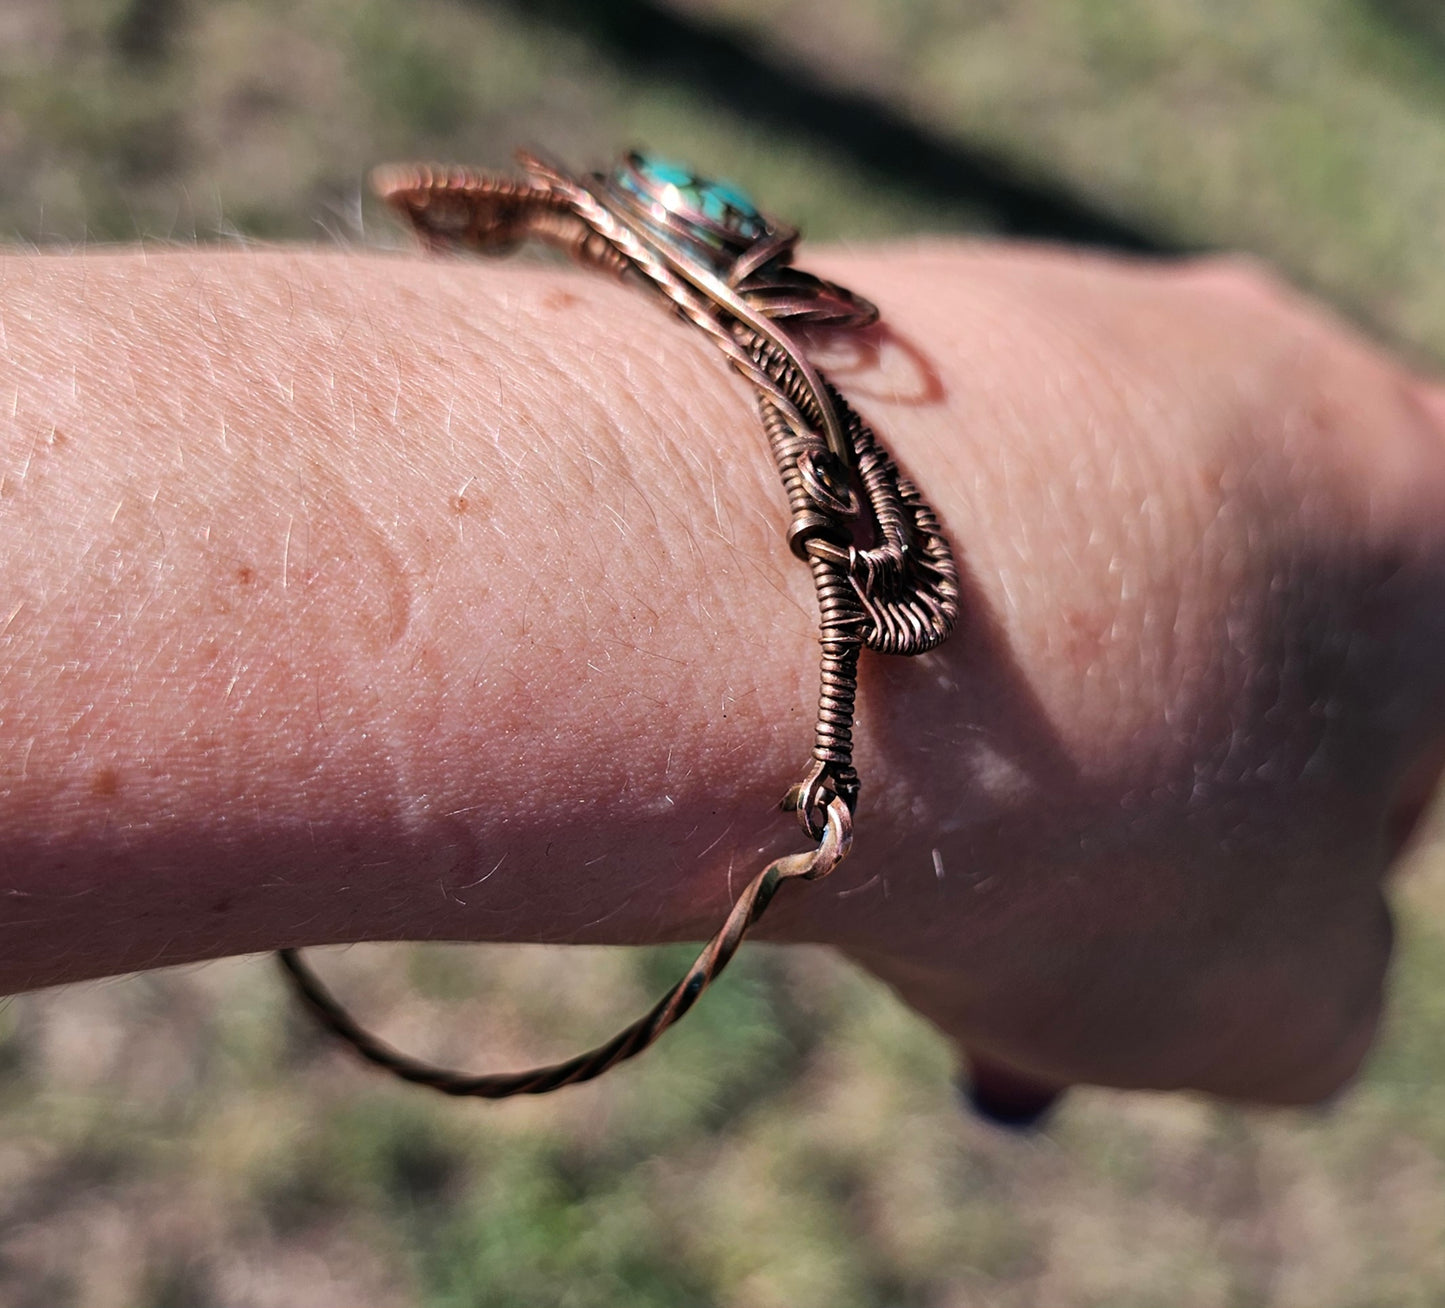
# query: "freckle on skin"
245,575
459,504
105,783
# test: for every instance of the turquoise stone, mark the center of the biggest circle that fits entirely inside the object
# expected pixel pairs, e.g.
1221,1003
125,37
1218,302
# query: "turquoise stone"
729,196
665,172
684,193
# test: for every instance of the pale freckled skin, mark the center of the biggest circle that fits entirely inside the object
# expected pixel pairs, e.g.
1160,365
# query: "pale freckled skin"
353,597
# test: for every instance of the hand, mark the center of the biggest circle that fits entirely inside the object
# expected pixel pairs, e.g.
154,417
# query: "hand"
1138,811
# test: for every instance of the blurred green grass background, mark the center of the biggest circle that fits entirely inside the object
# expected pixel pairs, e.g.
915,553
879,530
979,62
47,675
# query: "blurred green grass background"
184,1140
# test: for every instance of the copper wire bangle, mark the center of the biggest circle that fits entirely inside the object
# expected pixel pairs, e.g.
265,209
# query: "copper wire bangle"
882,568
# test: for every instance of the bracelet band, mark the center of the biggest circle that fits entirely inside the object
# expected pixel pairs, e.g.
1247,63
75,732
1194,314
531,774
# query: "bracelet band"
884,575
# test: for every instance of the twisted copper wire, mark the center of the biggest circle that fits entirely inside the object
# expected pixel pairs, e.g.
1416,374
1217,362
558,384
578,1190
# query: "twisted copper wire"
886,580
627,1043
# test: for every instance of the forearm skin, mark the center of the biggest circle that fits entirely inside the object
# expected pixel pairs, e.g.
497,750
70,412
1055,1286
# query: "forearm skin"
350,597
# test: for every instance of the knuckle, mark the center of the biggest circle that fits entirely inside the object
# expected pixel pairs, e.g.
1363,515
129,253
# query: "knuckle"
1320,1048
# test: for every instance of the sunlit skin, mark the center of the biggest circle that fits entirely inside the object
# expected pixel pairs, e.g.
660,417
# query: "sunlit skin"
361,597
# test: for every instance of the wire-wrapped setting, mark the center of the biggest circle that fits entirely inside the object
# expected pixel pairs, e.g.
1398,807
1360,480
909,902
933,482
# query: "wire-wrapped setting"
882,569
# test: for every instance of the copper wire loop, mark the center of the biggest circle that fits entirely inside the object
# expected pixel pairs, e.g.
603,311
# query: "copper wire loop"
882,569
715,956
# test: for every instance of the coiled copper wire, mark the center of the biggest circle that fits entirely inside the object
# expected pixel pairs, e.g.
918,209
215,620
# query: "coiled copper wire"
882,570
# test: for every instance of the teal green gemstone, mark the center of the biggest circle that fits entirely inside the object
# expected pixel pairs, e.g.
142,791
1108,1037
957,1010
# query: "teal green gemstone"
737,199
717,202
665,172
